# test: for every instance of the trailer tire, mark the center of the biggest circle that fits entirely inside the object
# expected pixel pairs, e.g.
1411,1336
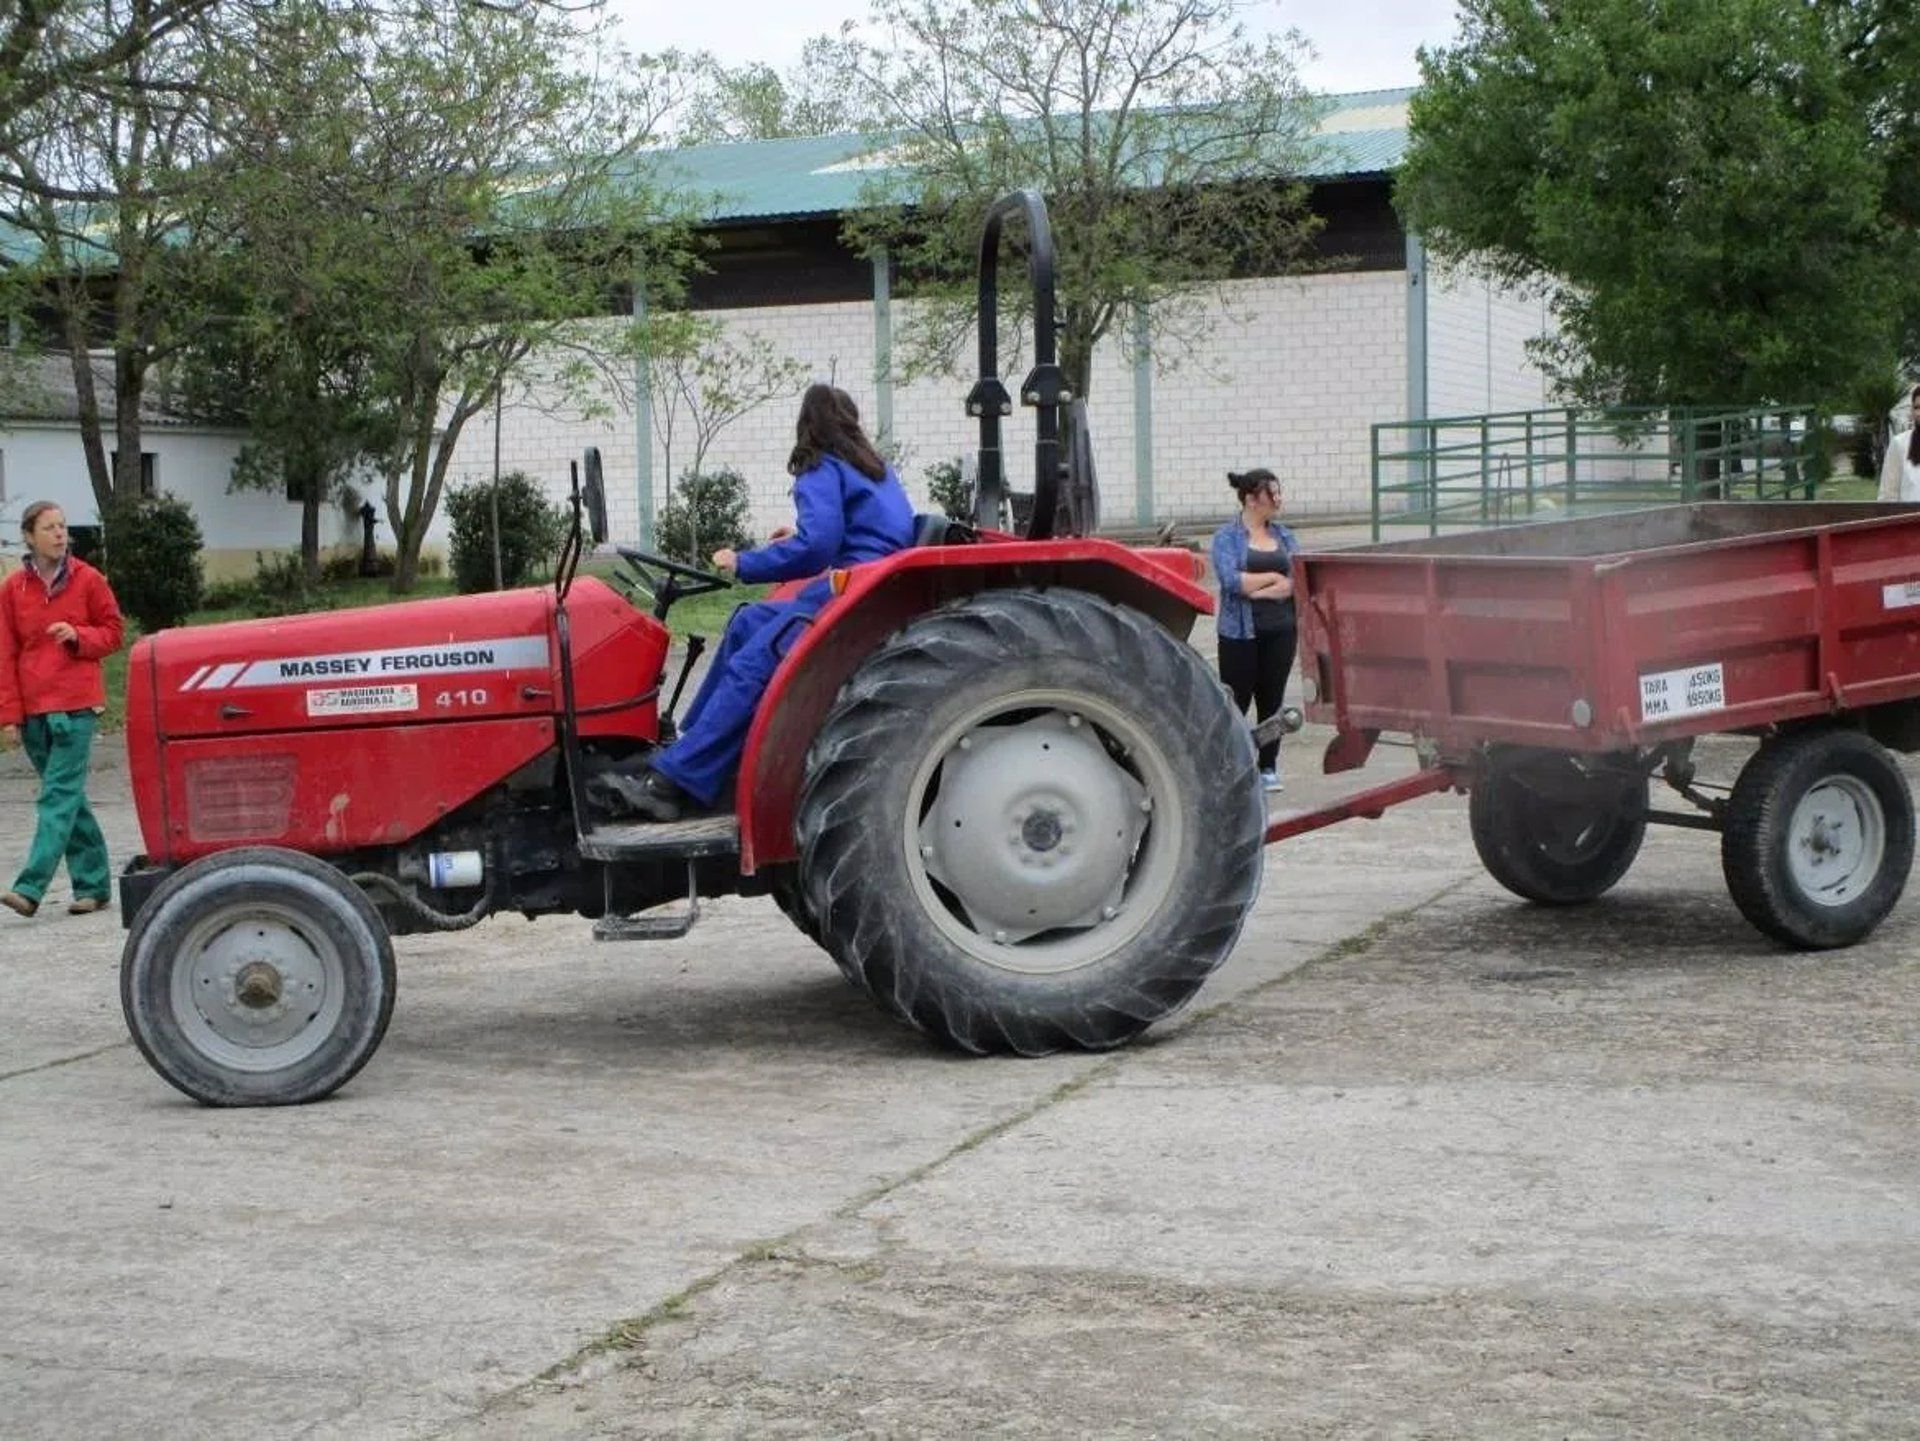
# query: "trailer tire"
284,1015
1819,838
1031,821
1560,849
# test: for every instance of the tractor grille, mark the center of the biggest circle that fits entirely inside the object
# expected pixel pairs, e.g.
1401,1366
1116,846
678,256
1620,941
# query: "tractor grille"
232,798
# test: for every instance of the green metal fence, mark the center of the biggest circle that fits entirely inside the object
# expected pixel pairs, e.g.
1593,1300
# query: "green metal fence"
1477,470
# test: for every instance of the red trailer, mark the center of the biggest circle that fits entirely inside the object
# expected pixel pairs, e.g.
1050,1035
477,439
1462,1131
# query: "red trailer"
1554,670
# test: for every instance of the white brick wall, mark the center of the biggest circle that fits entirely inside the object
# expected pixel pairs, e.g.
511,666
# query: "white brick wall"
1477,336
1293,373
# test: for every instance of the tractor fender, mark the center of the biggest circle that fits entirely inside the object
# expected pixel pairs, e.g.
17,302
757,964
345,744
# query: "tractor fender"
879,598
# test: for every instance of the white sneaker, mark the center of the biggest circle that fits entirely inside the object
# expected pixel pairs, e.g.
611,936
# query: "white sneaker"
1270,781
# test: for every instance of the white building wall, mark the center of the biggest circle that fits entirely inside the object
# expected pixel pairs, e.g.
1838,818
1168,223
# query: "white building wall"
1477,359
44,460
42,463
1291,375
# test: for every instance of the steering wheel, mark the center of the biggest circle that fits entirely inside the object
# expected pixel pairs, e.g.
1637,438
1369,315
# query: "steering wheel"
645,561
670,580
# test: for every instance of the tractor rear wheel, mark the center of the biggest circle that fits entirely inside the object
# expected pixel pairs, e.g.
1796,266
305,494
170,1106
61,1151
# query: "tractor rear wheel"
784,887
257,977
1031,821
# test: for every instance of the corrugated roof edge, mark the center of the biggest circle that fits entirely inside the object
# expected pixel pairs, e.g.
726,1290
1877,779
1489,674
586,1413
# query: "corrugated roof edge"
776,165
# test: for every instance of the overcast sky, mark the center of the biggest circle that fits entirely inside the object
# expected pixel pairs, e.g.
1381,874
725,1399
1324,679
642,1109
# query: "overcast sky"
1361,44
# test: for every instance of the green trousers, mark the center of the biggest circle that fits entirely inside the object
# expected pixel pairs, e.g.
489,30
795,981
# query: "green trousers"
58,744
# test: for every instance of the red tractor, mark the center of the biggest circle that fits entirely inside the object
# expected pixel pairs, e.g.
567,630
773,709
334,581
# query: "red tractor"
990,779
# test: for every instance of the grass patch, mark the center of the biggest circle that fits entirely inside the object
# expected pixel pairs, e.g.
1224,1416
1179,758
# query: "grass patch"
1850,487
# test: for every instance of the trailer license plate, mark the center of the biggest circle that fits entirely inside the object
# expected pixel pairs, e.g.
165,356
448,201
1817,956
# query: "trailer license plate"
1896,597
1669,694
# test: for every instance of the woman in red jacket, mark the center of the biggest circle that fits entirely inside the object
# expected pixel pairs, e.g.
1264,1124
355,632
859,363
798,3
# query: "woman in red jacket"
58,619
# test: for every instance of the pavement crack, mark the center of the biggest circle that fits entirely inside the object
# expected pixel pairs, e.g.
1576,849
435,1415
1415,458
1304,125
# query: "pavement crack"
1344,949
62,1061
627,1336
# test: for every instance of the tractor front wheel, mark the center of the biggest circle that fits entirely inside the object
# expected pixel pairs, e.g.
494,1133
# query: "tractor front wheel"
1031,821
257,977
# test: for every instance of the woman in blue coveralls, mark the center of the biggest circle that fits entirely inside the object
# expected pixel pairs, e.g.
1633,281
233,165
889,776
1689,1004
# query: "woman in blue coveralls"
850,507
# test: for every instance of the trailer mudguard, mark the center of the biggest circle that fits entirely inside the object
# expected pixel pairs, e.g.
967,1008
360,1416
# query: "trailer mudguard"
883,596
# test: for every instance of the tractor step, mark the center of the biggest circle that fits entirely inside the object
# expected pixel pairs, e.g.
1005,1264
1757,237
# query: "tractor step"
614,927
654,840
645,928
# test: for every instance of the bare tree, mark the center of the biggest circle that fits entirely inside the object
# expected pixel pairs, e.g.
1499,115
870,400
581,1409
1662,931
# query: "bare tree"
1165,141
708,380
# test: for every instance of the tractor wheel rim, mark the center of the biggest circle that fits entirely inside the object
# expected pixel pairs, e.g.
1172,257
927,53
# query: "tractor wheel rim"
1042,831
1836,840
258,988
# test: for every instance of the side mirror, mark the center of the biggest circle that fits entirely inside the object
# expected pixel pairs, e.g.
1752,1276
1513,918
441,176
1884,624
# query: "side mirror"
595,494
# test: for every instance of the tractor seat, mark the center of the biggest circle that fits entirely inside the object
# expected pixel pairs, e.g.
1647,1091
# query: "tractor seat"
937,529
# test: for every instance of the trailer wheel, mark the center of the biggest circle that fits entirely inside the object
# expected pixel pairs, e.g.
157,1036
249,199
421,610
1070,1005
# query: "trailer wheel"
1819,838
1554,833
1032,821
257,977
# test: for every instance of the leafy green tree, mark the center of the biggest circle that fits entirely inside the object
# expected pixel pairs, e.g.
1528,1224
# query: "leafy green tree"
1160,134
1718,196
431,201
75,55
99,176
716,103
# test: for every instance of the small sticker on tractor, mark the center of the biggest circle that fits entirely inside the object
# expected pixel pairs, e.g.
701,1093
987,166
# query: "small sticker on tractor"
1670,694
363,700
1896,597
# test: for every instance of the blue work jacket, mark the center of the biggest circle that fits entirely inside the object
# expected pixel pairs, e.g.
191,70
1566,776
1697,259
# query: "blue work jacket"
841,518
1229,551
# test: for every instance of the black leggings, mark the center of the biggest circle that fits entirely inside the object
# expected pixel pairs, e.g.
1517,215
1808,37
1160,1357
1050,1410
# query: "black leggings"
1256,670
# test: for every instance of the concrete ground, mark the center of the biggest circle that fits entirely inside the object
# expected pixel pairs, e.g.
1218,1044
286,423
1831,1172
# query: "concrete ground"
1421,1161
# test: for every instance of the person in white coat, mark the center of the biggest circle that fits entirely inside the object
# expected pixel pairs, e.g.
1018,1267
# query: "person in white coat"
1900,471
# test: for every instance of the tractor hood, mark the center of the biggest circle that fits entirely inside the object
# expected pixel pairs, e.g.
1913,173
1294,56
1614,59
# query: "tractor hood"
467,658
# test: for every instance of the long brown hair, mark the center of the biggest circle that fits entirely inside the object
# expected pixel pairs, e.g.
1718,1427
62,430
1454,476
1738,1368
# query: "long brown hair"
1913,436
829,424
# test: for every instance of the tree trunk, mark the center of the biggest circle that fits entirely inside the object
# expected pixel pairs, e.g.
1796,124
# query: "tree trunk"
88,402
305,474
128,380
1076,363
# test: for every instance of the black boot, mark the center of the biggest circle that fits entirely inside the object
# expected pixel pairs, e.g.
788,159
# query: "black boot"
647,796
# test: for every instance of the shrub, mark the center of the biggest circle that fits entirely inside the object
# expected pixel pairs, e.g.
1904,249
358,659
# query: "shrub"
706,512
948,488
152,558
531,529
229,595
281,587
344,565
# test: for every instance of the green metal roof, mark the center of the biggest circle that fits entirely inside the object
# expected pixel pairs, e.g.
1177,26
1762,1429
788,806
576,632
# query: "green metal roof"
1364,133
